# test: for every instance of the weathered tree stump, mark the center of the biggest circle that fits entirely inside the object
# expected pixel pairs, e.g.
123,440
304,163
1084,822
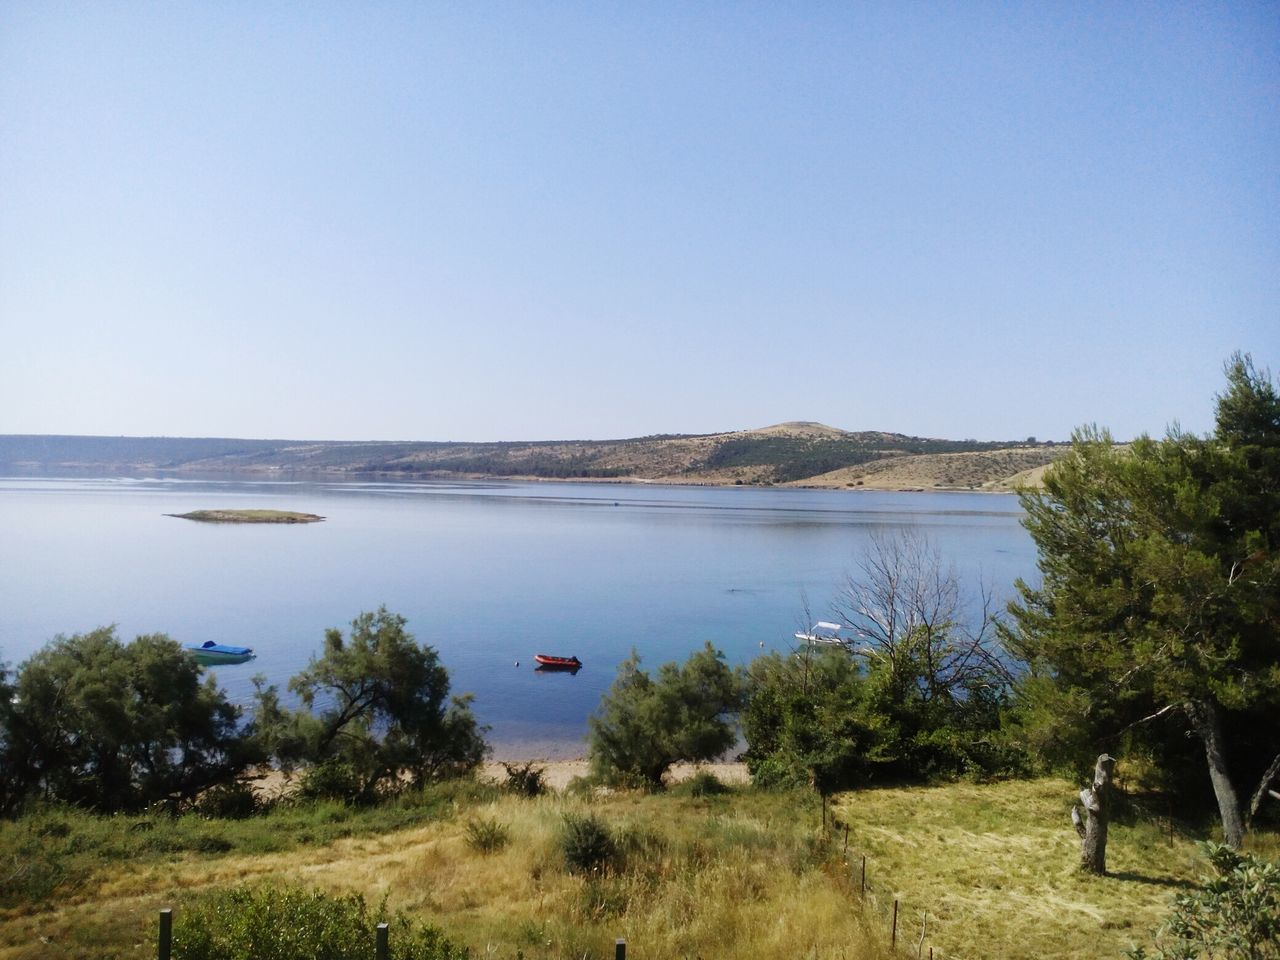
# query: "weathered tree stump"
1092,827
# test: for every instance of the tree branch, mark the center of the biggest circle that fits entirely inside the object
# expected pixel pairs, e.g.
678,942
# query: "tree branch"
1263,790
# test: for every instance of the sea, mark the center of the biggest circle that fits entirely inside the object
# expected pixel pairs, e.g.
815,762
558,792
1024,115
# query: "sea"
487,573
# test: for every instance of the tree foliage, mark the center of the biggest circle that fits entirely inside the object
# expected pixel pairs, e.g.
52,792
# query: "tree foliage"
806,721
1160,593
918,694
645,724
114,726
385,716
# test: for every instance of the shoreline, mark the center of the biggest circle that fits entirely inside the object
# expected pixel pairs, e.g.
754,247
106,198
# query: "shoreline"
144,472
557,774
270,782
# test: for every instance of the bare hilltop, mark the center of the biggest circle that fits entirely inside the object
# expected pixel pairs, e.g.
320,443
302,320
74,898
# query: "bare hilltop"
795,453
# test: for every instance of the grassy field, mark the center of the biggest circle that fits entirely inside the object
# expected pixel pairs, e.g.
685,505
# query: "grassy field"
987,871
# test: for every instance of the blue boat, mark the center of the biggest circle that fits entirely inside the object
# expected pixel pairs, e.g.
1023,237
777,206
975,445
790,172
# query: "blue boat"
210,653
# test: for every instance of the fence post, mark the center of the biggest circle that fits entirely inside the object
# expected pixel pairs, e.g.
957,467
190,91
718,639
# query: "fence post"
620,949
864,876
846,838
893,939
165,942
382,945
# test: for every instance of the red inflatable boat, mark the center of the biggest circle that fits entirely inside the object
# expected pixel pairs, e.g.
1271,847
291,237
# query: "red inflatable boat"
557,663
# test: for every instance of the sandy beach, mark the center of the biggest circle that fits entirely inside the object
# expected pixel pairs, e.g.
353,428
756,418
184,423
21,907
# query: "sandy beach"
558,773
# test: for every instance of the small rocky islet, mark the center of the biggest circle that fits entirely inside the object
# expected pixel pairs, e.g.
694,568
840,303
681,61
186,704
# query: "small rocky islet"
247,516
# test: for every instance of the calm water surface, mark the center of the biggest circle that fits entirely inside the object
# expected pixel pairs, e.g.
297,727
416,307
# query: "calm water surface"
488,573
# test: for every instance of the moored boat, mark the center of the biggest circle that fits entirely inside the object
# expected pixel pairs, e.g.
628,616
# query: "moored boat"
823,633
210,653
547,662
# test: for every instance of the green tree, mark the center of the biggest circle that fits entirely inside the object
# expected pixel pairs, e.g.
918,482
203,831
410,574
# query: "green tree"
1160,592
387,717
114,726
806,722
643,725
916,694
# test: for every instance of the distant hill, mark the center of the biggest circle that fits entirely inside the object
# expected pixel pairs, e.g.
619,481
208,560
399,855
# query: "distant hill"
795,453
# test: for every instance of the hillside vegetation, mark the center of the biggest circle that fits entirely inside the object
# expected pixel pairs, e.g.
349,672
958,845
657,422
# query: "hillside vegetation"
789,453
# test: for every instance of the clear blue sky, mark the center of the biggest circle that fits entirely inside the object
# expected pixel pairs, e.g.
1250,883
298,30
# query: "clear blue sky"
543,220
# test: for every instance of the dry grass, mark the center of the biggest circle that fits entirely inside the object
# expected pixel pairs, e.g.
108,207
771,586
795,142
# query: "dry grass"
743,874
725,876
993,470
994,867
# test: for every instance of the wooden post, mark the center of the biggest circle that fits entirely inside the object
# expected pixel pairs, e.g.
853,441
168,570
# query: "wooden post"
165,943
620,949
846,838
382,945
893,939
864,876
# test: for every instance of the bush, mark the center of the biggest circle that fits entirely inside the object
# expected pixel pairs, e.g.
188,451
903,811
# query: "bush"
1234,916
260,923
331,780
228,801
704,783
487,836
525,780
587,844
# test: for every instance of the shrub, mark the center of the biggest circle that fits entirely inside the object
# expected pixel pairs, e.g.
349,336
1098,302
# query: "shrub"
1234,916
704,783
525,780
228,801
331,780
289,923
487,836
587,844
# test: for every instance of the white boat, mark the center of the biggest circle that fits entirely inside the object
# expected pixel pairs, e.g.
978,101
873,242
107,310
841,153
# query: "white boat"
823,633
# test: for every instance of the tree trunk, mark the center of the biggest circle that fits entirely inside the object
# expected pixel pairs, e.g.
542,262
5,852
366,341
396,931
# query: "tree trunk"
1092,828
1207,723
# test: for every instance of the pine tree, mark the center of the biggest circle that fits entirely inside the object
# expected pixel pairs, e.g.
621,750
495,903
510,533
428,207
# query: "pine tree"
1160,594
